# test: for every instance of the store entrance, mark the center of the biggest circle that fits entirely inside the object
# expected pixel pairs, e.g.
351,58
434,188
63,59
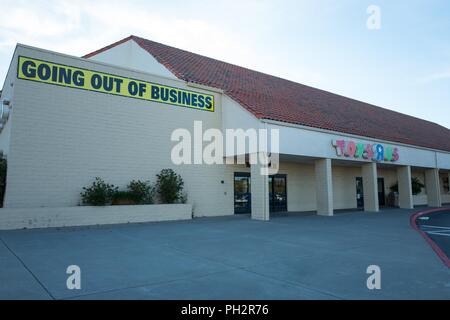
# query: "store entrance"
277,193
360,193
242,193
381,193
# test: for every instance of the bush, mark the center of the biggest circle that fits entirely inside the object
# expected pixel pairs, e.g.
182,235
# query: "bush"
142,192
3,167
183,198
99,193
169,187
123,198
415,183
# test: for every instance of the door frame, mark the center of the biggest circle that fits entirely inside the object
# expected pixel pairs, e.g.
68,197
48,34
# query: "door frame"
248,208
381,195
359,201
272,207
271,194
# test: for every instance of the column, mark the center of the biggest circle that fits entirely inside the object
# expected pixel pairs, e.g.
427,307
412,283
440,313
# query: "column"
324,187
405,195
433,187
260,193
370,186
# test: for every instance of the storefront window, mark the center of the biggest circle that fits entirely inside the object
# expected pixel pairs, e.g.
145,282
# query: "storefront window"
445,184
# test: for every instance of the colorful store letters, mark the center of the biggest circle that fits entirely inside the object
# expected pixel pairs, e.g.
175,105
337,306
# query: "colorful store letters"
365,151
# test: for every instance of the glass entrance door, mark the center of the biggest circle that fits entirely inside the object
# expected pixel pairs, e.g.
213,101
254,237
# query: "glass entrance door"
243,196
359,193
242,193
381,193
277,193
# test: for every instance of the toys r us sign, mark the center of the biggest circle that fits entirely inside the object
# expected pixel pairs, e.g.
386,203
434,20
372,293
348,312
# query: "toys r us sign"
375,152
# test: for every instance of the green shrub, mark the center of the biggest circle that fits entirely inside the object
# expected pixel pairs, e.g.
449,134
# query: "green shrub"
415,184
3,167
141,191
169,187
123,198
183,198
99,193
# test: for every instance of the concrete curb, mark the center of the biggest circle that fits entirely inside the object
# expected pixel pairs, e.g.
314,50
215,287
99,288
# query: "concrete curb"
413,222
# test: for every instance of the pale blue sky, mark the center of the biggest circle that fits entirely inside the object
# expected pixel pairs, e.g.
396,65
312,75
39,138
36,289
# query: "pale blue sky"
404,66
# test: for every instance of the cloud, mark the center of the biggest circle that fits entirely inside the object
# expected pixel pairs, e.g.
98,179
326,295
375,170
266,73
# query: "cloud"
39,19
78,27
444,75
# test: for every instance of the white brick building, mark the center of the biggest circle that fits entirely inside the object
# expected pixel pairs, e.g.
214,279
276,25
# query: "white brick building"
57,138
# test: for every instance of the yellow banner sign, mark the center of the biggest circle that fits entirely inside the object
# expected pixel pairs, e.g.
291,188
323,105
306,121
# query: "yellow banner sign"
78,78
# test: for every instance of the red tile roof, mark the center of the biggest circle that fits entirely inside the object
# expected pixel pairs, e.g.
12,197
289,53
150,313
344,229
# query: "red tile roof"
270,97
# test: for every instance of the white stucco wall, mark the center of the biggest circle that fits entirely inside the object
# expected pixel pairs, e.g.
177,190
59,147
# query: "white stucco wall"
443,160
31,218
8,93
236,117
297,140
5,138
62,138
58,139
130,55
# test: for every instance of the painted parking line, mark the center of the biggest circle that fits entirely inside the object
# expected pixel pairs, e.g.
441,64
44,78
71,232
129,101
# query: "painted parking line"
438,227
428,231
437,233
436,230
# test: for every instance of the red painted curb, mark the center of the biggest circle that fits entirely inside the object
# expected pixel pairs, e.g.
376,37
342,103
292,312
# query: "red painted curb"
430,241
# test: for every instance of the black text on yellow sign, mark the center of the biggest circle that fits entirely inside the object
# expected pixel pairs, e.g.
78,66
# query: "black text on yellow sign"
62,75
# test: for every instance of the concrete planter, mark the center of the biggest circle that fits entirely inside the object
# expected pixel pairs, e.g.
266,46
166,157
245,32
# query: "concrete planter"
19,218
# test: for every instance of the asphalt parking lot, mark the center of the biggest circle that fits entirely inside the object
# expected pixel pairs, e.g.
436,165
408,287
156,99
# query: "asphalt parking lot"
295,256
437,226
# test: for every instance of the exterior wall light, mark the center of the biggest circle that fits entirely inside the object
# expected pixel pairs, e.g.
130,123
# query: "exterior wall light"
6,110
